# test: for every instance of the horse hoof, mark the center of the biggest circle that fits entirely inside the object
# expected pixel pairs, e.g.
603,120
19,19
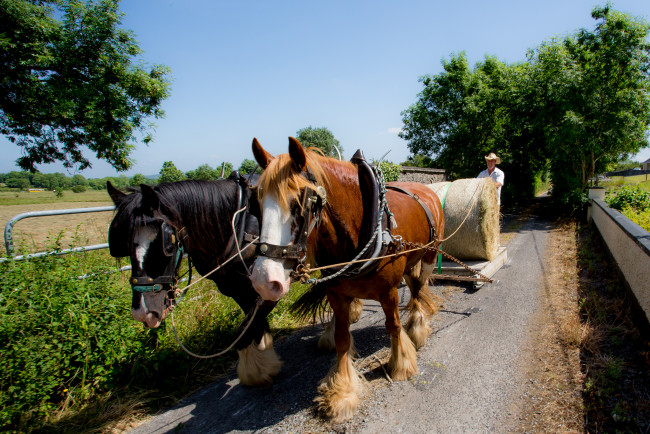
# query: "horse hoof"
403,363
258,364
339,396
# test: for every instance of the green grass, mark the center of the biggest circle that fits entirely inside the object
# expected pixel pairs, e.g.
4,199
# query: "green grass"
45,197
617,182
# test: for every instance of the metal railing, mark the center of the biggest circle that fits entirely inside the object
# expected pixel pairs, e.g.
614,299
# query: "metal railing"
10,225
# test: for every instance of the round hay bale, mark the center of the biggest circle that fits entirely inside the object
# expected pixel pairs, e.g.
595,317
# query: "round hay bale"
472,216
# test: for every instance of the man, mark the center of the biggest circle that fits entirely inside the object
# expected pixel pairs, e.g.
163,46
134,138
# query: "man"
493,172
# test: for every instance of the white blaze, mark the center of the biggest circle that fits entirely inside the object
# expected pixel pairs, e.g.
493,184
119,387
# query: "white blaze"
270,278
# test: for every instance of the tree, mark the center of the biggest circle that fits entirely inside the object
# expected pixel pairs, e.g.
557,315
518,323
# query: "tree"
79,180
203,173
69,84
226,168
136,180
596,92
248,166
321,138
169,173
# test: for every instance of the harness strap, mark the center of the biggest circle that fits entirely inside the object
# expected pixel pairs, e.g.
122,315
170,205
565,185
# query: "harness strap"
432,227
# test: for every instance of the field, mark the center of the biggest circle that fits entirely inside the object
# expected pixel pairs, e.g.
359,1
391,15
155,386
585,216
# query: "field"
31,235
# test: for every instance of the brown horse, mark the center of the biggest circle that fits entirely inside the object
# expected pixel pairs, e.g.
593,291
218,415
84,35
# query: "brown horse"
296,231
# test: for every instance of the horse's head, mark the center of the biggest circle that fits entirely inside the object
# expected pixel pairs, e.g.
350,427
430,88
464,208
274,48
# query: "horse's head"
291,196
147,231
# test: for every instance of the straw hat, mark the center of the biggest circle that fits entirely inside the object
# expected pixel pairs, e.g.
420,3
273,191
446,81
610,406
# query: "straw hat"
492,156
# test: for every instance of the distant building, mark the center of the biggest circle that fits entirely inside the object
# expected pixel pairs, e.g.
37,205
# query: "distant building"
646,164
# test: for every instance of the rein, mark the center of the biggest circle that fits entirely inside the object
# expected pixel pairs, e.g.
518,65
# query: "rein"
184,291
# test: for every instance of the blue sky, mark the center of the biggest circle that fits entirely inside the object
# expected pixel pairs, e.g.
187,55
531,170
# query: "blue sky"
265,69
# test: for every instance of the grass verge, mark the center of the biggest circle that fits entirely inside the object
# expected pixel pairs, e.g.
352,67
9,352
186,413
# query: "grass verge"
72,359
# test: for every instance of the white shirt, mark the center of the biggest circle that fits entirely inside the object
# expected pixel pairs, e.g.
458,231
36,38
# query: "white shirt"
497,175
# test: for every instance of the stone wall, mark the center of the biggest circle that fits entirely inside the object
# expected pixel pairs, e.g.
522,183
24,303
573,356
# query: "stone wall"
422,174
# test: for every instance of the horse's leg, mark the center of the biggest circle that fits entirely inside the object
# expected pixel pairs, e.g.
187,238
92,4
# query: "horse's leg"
339,391
326,341
422,305
258,362
402,363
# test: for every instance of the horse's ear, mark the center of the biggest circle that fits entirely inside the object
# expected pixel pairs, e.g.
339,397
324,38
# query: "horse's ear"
262,157
116,195
150,199
297,154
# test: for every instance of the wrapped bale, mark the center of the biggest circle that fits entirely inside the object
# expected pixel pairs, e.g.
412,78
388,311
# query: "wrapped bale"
472,216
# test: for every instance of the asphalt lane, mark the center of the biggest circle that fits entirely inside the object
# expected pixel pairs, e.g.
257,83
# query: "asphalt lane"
470,369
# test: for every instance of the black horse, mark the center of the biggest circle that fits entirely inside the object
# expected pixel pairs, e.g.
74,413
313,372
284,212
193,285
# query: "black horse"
154,226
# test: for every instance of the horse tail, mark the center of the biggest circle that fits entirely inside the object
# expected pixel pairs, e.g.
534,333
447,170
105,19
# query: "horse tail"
312,305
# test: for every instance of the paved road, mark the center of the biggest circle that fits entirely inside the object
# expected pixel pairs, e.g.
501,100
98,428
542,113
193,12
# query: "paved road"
470,369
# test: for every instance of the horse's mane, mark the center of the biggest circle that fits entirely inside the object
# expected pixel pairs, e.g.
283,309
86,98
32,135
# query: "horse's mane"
205,208
281,180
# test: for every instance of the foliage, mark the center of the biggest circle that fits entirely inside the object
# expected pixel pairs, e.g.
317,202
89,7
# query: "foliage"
594,88
169,173
203,173
321,138
247,166
226,168
390,170
72,83
79,188
624,164
576,106
418,160
629,197
60,336
70,343
137,179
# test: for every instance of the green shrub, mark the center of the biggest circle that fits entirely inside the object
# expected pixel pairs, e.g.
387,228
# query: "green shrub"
629,197
60,336
71,343
79,188
391,171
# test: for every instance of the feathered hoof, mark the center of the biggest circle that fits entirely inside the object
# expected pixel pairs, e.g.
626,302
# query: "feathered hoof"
418,329
339,396
403,362
356,310
258,363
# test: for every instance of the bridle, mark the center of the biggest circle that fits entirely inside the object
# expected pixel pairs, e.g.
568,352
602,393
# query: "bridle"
175,243
171,247
312,202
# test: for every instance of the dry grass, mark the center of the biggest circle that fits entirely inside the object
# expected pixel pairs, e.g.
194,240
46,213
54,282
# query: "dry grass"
30,235
552,400
588,367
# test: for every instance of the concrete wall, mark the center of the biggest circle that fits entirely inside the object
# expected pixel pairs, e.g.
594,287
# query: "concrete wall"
629,245
422,174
